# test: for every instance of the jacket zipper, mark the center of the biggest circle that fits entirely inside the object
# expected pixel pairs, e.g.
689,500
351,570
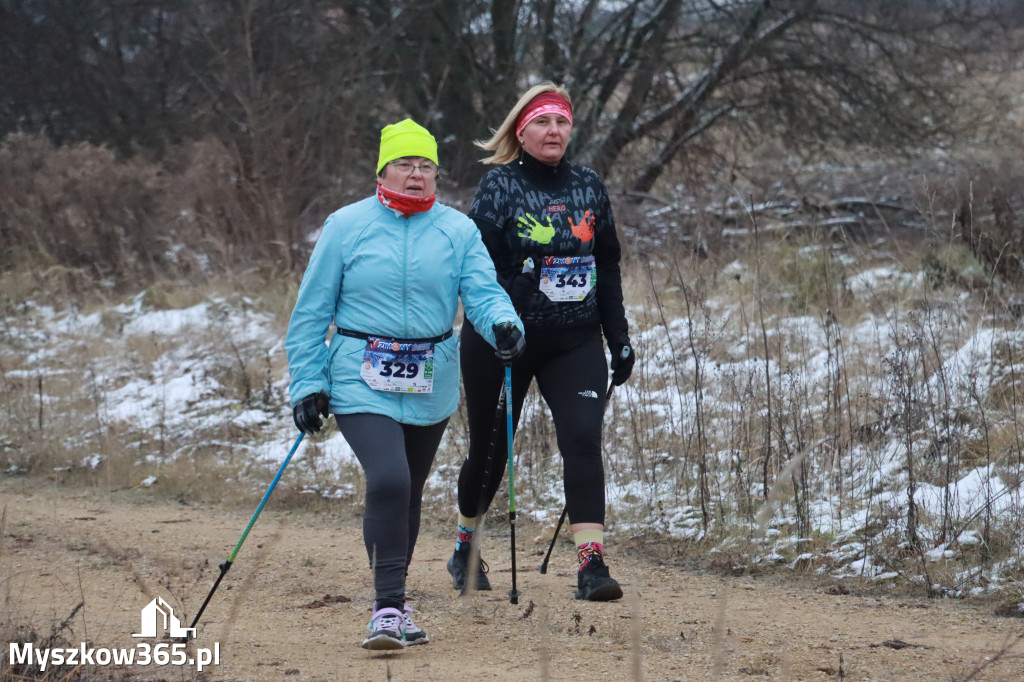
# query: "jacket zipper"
405,294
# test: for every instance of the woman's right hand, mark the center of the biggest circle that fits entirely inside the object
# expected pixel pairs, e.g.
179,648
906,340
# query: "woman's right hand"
307,411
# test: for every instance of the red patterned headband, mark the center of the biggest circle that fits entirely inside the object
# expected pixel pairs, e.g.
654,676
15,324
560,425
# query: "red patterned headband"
544,103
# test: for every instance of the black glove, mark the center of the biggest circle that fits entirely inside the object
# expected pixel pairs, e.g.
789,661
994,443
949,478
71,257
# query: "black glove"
524,284
307,411
508,341
623,358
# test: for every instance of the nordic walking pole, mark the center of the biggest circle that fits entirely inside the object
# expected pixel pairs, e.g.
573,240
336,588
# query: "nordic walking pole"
561,519
483,502
543,568
513,594
227,564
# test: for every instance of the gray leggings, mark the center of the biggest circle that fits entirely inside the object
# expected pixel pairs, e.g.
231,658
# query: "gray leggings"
396,460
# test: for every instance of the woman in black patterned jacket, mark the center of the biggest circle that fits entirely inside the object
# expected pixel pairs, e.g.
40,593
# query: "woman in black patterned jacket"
548,226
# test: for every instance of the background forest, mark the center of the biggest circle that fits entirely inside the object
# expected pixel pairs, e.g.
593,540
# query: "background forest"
818,201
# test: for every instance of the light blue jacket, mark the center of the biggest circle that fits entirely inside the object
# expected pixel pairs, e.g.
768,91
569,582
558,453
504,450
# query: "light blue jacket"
376,272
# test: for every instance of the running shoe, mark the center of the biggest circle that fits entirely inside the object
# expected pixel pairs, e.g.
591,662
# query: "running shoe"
386,630
413,634
594,583
458,566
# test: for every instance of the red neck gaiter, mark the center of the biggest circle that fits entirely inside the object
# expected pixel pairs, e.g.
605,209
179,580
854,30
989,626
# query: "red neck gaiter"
404,203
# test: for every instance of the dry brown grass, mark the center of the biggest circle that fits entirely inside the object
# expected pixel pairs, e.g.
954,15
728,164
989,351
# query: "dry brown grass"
718,409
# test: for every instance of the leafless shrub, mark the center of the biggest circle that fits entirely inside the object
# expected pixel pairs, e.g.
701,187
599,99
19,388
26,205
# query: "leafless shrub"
78,207
79,219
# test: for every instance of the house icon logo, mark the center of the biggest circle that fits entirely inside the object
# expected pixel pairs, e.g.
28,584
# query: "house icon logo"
158,610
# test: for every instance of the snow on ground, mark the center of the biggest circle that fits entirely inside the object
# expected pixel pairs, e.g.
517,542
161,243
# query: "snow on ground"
219,365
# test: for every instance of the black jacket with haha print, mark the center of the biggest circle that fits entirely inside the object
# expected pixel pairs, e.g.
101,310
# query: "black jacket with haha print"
529,209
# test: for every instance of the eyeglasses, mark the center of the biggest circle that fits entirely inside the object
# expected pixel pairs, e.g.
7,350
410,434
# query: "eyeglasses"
427,169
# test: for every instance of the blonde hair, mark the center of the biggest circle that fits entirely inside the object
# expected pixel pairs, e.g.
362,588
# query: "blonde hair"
503,142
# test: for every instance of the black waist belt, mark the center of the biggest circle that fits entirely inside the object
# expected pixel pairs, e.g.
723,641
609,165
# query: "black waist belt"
364,336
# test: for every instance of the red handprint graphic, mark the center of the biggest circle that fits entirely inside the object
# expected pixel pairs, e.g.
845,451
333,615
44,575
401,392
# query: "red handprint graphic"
584,231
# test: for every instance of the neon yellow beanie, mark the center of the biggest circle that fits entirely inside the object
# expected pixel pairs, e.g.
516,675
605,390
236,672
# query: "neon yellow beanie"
405,138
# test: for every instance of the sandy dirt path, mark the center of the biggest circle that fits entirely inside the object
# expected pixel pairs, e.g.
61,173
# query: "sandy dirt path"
296,602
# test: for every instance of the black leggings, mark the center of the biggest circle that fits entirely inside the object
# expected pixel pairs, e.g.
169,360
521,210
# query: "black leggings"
396,460
572,376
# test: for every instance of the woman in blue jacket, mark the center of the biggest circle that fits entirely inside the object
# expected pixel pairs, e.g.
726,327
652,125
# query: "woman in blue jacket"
388,272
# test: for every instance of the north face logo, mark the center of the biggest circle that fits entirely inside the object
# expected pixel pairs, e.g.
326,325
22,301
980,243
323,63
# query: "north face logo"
588,394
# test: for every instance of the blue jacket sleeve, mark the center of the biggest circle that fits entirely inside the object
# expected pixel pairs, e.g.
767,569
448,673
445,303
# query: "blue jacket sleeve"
483,299
312,315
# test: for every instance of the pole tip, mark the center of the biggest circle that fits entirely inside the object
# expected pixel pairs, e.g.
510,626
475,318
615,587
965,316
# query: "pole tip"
513,596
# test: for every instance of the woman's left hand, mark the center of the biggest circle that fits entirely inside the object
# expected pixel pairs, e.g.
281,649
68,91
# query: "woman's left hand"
508,342
623,358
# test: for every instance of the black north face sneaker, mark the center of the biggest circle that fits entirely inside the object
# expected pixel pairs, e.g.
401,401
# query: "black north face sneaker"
594,583
458,566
